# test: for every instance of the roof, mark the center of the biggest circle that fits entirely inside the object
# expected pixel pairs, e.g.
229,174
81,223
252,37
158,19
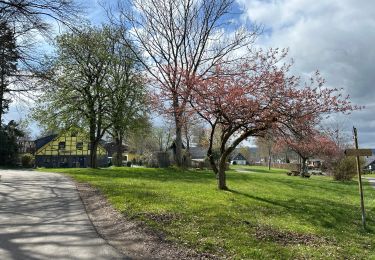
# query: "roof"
239,150
44,140
369,160
239,157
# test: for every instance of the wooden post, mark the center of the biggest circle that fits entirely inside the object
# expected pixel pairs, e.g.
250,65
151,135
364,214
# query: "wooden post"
359,179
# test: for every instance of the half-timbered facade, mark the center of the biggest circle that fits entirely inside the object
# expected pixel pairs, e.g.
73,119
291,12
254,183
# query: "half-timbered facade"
67,150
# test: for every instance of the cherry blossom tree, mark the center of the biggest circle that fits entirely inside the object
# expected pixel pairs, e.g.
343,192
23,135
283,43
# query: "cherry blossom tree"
188,35
308,145
258,95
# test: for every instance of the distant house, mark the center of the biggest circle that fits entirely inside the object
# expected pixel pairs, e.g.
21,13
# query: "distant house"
66,150
198,157
314,163
198,153
127,155
370,164
239,159
242,156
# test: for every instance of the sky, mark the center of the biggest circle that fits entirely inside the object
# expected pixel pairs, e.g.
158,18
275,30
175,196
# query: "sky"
335,37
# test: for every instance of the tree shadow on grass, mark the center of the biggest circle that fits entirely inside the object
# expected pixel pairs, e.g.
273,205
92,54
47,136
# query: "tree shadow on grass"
250,170
326,214
164,175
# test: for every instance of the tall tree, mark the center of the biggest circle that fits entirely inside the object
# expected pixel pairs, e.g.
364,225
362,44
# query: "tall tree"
127,100
181,37
78,94
9,135
8,65
255,96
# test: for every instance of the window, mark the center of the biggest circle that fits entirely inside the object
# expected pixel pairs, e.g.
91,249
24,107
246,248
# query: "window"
62,146
79,145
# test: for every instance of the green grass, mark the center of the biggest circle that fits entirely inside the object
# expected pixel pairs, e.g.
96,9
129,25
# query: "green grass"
265,215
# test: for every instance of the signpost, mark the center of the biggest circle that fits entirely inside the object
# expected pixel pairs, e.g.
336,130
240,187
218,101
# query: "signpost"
357,153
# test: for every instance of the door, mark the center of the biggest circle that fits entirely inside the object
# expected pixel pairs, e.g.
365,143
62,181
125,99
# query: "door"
81,161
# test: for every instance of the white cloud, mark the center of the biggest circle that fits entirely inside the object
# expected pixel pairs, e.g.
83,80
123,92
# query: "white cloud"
334,36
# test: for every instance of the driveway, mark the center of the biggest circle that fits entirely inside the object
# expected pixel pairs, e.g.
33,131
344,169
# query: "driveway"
371,180
42,217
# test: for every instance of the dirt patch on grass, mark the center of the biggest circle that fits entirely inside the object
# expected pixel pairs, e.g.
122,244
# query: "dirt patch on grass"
266,233
164,218
133,238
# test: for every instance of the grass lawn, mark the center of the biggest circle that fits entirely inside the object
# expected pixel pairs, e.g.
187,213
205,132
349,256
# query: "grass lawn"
266,215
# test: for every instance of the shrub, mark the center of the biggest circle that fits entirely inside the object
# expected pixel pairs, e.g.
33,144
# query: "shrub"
345,169
129,163
27,160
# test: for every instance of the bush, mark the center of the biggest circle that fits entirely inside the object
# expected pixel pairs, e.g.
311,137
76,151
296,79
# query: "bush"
345,169
27,160
129,163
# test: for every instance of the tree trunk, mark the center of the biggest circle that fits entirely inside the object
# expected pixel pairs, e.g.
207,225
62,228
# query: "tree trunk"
304,167
210,153
2,90
2,94
221,177
212,162
178,143
269,159
119,151
93,146
1,107
93,155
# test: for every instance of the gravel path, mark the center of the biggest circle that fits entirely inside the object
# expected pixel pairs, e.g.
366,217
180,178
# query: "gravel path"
42,217
371,180
49,216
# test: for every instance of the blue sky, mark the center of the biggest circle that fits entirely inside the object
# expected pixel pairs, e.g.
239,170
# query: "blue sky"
335,37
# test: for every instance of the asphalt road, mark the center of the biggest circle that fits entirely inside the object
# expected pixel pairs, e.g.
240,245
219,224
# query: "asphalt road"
42,217
371,180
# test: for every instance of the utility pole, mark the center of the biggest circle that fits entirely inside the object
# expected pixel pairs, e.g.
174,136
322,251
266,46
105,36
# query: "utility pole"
359,179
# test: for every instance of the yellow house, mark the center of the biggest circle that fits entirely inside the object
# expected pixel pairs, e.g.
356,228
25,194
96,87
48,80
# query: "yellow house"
127,155
66,150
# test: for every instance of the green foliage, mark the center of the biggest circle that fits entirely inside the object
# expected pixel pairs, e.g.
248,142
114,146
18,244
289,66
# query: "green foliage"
93,84
8,144
8,64
266,215
27,160
346,168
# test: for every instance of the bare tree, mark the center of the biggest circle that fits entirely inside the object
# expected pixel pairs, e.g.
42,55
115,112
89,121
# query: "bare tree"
265,144
29,19
181,38
164,136
335,129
